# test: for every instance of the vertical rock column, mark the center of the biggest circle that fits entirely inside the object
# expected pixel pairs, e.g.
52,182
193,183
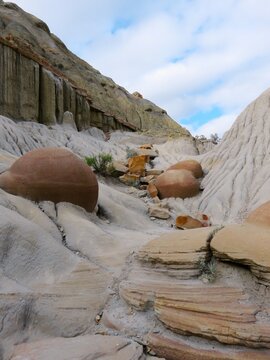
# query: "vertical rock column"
47,97
19,90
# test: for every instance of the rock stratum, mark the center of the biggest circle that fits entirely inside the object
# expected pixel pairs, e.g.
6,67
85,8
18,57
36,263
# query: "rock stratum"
50,80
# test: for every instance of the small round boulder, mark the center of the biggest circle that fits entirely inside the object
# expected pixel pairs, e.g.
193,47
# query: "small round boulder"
191,165
52,174
177,183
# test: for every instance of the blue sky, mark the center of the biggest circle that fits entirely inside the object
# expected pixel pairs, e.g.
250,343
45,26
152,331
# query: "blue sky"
203,61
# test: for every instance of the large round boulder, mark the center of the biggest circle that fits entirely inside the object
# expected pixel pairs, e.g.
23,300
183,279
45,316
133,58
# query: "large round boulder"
53,174
261,215
191,165
177,183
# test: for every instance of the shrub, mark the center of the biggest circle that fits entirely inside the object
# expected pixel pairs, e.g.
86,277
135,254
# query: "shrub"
101,163
208,269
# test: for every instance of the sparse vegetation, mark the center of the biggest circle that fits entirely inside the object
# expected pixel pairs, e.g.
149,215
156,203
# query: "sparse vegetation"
101,163
214,138
208,269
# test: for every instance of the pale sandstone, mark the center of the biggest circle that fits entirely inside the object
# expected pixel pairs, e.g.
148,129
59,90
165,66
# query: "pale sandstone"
246,244
88,347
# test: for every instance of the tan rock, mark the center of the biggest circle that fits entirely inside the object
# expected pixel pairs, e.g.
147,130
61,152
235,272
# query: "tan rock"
223,313
260,216
136,164
173,348
52,174
154,172
80,347
130,179
147,179
158,212
204,219
152,154
156,200
191,165
177,183
152,190
147,146
183,250
246,244
187,222
119,168
137,94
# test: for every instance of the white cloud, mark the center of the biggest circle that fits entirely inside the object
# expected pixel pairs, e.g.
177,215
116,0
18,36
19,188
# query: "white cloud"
187,56
218,125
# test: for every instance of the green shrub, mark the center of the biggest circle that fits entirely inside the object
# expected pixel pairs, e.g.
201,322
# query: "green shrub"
208,269
101,163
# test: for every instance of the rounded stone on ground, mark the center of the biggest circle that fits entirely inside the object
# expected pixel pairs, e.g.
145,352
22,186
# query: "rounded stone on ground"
191,165
52,174
177,183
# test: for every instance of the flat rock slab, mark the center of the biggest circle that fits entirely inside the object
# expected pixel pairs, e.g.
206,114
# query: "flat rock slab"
246,244
88,347
173,348
216,312
181,249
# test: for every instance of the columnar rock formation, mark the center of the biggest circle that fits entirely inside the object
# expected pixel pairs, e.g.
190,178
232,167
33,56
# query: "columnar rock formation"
29,91
50,80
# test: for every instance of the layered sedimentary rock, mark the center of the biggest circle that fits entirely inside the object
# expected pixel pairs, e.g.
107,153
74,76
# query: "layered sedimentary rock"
42,79
175,348
89,347
179,250
29,91
247,244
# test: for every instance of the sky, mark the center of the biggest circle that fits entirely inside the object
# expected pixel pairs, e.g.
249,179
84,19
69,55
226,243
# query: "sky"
203,61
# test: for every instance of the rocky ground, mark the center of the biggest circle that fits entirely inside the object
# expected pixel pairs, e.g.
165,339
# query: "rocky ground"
120,284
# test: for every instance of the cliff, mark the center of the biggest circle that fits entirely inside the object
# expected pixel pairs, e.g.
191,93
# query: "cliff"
41,79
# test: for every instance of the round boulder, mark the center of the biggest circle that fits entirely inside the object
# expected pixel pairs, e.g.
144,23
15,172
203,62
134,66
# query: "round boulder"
53,174
177,183
191,165
261,215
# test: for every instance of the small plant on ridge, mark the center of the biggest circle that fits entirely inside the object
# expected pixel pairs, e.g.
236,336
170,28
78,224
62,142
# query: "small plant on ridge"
101,163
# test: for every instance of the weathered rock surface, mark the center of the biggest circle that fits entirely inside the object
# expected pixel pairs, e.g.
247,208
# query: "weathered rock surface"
65,82
179,250
246,244
177,183
173,348
152,189
158,212
136,164
222,313
90,347
191,165
52,174
45,288
260,216
240,161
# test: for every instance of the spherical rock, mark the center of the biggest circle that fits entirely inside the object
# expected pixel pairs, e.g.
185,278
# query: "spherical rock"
191,165
261,215
177,183
53,174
